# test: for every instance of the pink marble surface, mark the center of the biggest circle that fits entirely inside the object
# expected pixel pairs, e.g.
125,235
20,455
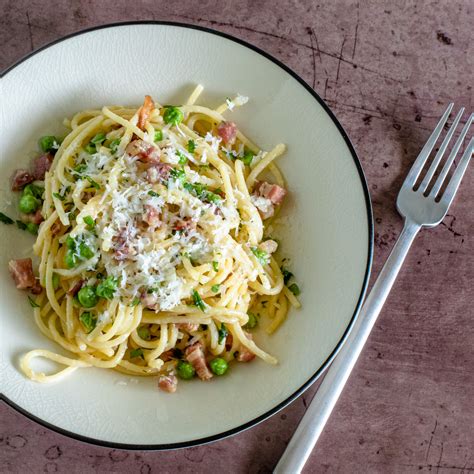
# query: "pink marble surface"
387,68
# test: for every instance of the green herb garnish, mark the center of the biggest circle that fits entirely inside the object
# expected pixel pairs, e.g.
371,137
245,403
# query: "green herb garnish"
261,255
223,333
295,289
191,146
33,303
107,288
173,115
215,288
198,301
88,320
136,353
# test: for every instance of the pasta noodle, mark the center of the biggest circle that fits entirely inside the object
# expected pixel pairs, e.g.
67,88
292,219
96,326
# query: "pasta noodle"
153,243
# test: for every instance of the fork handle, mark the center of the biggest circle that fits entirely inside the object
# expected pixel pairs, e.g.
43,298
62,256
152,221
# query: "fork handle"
318,412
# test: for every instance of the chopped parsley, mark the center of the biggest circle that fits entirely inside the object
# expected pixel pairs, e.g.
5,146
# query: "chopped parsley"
295,289
191,146
178,174
215,266
223,333
93,183
114,144
144,333
135,302
247,158
58,196
173,115
90,222
107,288
158,136
153,194
98,139
215,288
88,320
287,275
198,301
33,303
182,159
261,255
136,353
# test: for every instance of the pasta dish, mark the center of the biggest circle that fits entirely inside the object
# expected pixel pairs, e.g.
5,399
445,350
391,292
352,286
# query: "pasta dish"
154,242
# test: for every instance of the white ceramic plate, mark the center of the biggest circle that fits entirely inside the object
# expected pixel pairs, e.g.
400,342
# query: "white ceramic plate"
328,237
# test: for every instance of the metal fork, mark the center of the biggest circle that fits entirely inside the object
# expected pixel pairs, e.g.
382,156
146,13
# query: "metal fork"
420,207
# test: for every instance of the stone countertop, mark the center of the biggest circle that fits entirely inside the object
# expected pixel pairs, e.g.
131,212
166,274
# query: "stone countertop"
387,69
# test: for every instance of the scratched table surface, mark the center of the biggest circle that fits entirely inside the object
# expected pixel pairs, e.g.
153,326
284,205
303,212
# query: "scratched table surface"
387,69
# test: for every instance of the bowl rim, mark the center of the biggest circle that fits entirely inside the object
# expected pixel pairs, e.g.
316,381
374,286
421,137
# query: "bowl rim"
370,224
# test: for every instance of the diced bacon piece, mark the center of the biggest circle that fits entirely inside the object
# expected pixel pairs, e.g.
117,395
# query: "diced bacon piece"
144,151
189,327
167,356
37,289
20,179
159,172
273,192
35,217
229,341
152,216
269,246
227,131
145,111
22,273
195,356
244,353
74,290
185,225
56,228
149,300
122,248
41,165
168,383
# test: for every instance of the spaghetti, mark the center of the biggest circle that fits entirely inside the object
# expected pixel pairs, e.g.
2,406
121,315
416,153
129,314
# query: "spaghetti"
153,254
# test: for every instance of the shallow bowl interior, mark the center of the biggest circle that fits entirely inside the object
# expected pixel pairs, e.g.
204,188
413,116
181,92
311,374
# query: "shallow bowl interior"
325,227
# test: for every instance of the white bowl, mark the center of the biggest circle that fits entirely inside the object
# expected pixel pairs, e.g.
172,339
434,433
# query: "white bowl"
328,236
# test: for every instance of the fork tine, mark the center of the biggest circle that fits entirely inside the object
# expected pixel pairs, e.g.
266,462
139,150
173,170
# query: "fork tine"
425,152
434,165
455,181
442,176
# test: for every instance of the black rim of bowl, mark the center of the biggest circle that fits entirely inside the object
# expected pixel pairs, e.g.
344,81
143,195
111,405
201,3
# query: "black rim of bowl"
313,378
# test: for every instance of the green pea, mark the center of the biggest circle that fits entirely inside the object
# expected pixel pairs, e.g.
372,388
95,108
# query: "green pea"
295,289
55,281
85,251
252,322
247,158
90,148
173,115
32,228
87,296
47,143
28,204
69,259
218,366
185,370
